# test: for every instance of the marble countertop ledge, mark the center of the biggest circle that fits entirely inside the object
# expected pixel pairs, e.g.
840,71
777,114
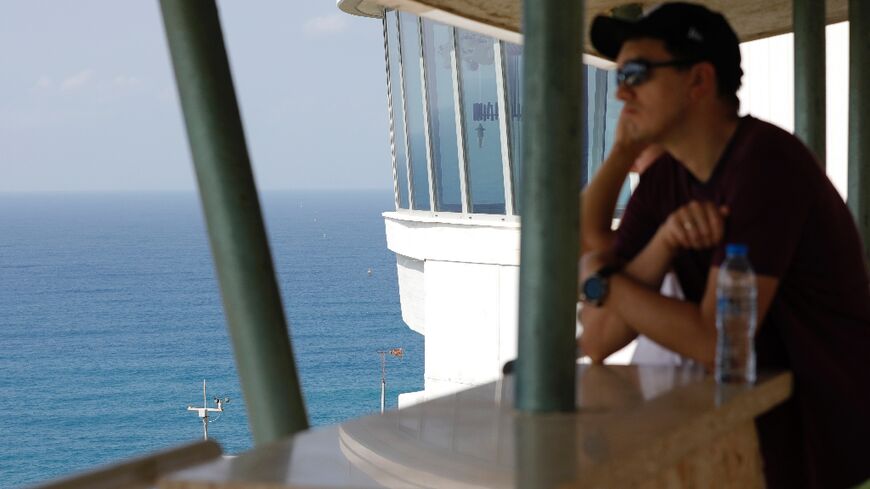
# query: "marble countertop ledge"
634,426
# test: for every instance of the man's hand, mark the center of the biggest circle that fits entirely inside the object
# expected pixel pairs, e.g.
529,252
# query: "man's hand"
696,225
628,140
626,135
633,147
599,197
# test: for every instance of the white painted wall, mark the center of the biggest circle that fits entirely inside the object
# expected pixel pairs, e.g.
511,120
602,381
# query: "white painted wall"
412,292
768,90
458,283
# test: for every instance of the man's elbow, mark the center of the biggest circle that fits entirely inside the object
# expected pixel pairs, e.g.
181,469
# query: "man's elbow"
708,355
705,349
592,349
597,358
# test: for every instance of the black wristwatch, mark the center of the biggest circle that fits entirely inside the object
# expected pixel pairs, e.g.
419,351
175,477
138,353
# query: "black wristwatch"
594,289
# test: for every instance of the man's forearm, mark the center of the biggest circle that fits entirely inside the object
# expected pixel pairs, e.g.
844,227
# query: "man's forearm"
605,332
599,198
677,325
651,265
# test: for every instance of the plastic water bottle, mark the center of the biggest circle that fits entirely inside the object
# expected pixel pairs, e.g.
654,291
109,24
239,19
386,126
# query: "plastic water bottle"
736,317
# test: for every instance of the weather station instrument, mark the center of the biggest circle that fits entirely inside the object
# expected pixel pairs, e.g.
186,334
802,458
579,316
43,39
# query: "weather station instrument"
203,411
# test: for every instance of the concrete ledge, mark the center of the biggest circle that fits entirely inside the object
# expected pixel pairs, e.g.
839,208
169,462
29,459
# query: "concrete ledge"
633,427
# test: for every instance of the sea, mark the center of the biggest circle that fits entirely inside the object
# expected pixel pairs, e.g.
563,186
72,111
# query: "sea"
111,318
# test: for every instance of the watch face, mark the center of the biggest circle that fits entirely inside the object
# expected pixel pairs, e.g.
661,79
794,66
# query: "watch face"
593,288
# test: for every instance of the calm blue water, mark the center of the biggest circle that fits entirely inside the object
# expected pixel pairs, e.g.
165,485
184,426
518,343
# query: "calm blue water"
110,318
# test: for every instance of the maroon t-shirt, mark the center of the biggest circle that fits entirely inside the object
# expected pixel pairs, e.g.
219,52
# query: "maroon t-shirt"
798,230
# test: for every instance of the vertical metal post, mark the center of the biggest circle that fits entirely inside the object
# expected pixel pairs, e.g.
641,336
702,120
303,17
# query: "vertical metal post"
205,410
407,136
504,128
390,110
537,464
552,145
252,302
383,380
859,118
809,75
434,198
460,123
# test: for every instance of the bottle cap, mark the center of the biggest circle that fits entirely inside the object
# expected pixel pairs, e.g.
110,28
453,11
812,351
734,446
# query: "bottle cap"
736,249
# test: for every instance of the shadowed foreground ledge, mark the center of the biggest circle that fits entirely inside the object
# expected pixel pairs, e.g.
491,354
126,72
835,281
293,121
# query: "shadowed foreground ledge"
635,426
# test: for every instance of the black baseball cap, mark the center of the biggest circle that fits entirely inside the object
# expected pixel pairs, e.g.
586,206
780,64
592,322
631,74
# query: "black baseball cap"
691,30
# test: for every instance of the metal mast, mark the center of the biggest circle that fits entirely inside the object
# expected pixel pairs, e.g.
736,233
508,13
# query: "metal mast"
396,352
204,410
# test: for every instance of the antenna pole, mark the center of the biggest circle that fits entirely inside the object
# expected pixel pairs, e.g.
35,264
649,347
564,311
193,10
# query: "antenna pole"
383,379
203,411
396,352
204,418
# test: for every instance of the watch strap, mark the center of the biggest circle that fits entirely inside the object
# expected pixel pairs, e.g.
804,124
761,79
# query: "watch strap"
608,270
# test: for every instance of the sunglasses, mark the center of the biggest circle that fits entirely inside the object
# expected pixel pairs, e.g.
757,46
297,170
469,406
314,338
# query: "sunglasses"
637,71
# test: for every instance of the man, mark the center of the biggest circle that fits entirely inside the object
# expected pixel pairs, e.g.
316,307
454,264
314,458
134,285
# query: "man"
719,179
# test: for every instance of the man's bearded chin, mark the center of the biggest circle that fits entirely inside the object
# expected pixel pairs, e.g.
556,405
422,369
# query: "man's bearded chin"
637,134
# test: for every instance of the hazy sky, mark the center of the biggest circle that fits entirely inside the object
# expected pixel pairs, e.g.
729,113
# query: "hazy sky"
88,101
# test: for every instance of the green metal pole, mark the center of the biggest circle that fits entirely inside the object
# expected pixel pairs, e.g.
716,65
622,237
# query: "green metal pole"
552,144
547,448
252,302
859,118
809,75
